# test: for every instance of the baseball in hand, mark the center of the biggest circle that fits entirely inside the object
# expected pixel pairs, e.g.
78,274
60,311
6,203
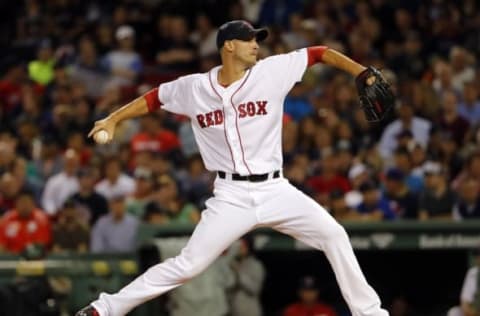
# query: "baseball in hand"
101,137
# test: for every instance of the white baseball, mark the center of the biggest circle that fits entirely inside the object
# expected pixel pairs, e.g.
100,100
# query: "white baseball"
101,137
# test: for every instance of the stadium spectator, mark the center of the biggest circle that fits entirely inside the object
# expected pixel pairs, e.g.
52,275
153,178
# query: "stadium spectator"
436,199
8,144
403,162
419,127
405,202
11,86
249,277
309,303
154,214
450,121
48,161
62,185
206,294
10,186
41,69
88,69
468,203
462,69
144,188
340,208
195,182
204,36
374,205
153,138
24,225
116,231
177,52
471,169
91,204
468,296
469,107
115,182
329,178
124,63
70,231
179,210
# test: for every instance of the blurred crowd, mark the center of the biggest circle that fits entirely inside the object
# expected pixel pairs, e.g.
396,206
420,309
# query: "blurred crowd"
67,63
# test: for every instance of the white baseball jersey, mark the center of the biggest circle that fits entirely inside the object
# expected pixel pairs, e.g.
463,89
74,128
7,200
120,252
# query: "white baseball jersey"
238,128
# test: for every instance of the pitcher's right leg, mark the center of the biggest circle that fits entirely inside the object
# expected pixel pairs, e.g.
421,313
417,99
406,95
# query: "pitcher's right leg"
220,225
295,214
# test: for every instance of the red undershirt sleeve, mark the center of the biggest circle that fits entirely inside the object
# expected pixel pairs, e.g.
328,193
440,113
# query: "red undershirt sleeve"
153,102
315,54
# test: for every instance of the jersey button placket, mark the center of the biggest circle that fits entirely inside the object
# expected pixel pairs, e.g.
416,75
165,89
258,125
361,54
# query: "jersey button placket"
232,134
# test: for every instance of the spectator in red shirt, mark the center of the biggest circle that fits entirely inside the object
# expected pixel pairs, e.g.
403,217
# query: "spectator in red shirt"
309,304
24,225
11,85
154,138
328,180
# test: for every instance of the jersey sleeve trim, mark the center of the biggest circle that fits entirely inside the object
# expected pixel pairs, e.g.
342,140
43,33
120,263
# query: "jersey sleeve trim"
315,54
152,98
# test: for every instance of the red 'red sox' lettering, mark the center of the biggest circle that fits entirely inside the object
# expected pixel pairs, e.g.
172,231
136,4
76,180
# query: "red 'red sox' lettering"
245,109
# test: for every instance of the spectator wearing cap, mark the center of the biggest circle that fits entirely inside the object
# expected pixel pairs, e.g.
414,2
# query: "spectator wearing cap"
124,63
403,202
407,120
436,200
403,162
115,182
309,303
41,70
115,231
374,205
62,185
70,232
144,187
358,174
93,204
24,225
468,202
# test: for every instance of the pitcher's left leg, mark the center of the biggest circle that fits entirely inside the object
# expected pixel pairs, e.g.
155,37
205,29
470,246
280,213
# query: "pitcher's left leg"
293,213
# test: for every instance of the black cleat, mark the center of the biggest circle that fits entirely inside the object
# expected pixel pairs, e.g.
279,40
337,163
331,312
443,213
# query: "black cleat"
88,311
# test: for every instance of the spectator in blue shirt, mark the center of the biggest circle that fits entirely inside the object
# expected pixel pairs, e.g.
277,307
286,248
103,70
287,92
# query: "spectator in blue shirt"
375,206
116,231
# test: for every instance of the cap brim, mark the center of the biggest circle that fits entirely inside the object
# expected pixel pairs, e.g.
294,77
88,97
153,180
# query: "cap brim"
261,34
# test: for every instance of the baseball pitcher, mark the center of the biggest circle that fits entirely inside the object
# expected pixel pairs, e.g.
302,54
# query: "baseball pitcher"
236,113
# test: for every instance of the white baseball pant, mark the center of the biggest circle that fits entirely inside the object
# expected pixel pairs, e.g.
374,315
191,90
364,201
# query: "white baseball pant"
236,208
